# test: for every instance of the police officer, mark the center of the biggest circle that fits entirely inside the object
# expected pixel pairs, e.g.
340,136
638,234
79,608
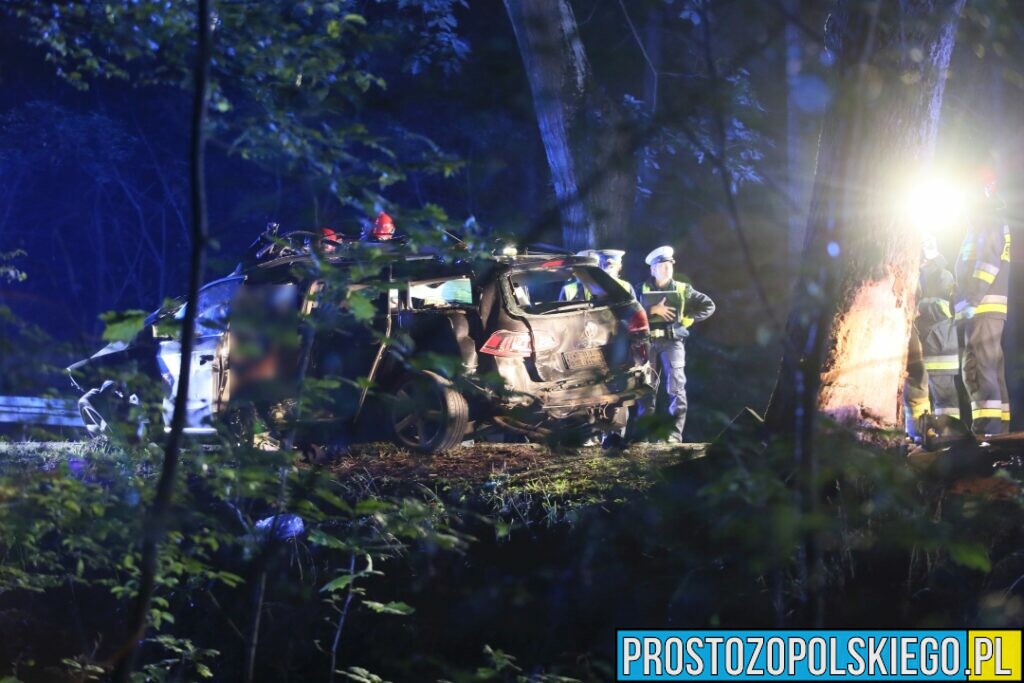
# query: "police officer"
574,290
669,329
611,263
983,279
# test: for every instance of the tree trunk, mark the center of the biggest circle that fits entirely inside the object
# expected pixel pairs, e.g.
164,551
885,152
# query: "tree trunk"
847,335
154,526
795,186
587,139
557,70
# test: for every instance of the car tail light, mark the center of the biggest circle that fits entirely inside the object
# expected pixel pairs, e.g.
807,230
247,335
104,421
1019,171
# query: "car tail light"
638,323
509,344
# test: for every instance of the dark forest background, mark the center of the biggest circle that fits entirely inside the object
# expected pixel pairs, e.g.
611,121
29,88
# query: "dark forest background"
93,182
432,117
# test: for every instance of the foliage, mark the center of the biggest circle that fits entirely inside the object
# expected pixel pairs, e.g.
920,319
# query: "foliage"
288,81
71,536
8,271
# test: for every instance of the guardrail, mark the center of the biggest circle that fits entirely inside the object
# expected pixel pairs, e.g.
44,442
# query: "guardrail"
42,411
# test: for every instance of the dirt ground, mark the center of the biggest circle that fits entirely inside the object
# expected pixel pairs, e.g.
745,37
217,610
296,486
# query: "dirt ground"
505,478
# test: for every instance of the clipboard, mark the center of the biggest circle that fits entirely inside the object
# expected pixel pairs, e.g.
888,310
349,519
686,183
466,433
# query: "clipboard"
672,298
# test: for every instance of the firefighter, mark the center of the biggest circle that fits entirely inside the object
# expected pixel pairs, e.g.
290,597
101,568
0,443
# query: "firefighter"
611,263
937,333
983,279
383,229
329,240
574,290
669,330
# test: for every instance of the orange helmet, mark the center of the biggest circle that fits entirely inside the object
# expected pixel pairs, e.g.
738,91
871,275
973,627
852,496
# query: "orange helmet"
383,227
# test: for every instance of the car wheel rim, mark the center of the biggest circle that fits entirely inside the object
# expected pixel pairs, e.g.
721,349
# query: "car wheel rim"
418,417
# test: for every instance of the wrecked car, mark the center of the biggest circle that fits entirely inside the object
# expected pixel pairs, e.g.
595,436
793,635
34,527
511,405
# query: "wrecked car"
383,341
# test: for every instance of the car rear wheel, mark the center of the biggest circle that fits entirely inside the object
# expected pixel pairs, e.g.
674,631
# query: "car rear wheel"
427,414
108,410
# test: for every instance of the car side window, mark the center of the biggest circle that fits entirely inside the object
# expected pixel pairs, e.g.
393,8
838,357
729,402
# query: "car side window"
214,305
441,294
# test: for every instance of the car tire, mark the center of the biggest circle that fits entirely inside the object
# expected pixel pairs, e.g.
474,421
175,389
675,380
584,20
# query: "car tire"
106,410
427,414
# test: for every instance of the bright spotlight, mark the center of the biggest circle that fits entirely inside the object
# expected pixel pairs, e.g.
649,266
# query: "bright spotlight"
934,204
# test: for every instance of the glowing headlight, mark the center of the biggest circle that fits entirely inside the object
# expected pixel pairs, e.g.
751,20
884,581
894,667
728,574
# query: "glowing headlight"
934,204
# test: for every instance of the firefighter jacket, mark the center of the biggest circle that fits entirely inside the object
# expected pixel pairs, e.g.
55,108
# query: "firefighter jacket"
983,265
697,306
934,321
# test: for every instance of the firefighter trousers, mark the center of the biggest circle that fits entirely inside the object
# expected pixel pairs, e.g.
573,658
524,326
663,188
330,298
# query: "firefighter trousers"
669,359
915,392
985,375
944,394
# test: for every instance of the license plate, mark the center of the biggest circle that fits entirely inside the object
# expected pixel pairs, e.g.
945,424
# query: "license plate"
584,358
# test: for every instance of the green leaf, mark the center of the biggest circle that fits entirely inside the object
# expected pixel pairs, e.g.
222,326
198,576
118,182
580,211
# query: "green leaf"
399,608
361,307
122,325
970,555
337,584
326,540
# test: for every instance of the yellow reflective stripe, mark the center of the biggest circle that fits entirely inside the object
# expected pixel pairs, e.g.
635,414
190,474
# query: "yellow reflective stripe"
919,407
942,365
984,276
1005,417
981,413
990,308
952,412
687,321
944,305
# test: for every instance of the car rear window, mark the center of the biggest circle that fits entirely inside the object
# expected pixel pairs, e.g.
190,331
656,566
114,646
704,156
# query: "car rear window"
546,290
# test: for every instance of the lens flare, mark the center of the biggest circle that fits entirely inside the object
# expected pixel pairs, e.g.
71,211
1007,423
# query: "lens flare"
934,204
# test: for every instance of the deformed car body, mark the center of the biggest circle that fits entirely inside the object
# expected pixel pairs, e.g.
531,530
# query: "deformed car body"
431,349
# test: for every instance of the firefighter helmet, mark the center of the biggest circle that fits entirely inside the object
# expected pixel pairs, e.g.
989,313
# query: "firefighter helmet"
383,227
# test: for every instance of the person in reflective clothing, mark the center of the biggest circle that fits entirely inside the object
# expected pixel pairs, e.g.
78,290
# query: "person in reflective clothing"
574,290
611,263
931,382
983,279
669,330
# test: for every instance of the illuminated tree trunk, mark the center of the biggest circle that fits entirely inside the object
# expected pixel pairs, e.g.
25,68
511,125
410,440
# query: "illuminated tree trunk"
586,137
847,335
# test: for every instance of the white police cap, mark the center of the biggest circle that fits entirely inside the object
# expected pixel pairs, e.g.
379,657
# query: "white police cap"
660,255
611,254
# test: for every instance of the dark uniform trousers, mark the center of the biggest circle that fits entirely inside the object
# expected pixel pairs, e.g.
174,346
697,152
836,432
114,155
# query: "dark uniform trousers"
985,375
669,356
